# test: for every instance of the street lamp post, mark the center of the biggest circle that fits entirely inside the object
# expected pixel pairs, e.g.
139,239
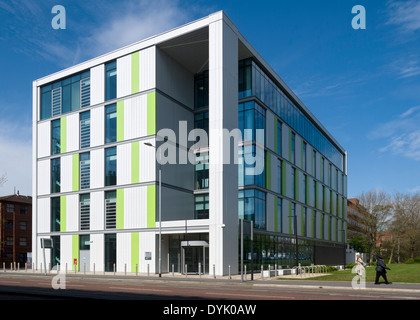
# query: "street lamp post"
160,208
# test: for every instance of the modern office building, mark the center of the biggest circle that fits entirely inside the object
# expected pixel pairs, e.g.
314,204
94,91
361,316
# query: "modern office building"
99,128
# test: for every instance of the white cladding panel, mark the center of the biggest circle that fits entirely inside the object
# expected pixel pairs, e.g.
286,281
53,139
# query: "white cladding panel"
97,126
123,252
147,65
124,164
66,252
97,210
124,76
97,249
73,132
43,215
66,168
97,168
44,139
72,212
147,244
44,177
97,84
135,208
135,119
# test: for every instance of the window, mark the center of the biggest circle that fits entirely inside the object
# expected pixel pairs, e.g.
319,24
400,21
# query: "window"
55,214
110,251
279,137
111,166
304,222
314,163
23,241
85,211
201,206
23,225
65,95
110,80
111,123
110,209
329,175
279,224
201,90
85,129
336,179
55,136
55,251
250,158
279,178
85,170
304,145
251,207
293,219
251,117
202,171
23,209
9,241
292,146
9,224
10,207
322,170
293,183
201,121
55,175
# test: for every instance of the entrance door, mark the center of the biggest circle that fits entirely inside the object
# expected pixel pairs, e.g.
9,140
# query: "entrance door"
193,254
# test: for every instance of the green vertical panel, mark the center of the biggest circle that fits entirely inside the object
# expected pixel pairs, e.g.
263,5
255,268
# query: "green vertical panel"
151,206
268,170
276,137
283,178
276,213
75,251
307,190
135,252
329,228
290,218
76,172
63,213
135,162
120,120
151,113
120,208
63,133
316,195
135,72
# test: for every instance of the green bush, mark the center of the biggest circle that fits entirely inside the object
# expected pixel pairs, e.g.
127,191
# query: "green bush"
417,260
409,261
349,265
331,269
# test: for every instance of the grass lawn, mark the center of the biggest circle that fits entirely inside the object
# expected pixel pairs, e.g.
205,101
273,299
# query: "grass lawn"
409,273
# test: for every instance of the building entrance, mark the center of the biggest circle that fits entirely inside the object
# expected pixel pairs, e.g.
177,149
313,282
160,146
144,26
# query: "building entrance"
194,255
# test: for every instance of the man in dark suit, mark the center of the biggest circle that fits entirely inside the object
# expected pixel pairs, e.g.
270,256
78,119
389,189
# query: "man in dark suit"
381,270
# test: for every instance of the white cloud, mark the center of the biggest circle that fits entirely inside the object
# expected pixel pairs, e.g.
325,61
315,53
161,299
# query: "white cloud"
405,15
402,134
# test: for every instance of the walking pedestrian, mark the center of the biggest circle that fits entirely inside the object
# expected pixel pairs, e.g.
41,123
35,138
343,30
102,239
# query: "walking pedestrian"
360,266
381,270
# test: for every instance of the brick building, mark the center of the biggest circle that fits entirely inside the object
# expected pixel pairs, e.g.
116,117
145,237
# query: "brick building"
15,228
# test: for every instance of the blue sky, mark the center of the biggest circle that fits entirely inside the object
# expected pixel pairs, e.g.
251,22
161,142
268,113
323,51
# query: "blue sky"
363,85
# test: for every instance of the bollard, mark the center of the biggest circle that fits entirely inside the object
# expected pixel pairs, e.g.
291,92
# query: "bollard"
269,271
114,269
94,268
214,271
125,269
136,269
186,270
18,267
4,267
26,266
275,270
229,273
262,272
245,272
148,270
199,269
173,275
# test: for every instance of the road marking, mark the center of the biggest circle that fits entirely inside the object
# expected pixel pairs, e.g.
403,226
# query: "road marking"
138,289
248,295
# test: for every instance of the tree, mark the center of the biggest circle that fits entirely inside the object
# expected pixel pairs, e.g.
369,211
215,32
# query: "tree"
3,179
378,206
405,225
